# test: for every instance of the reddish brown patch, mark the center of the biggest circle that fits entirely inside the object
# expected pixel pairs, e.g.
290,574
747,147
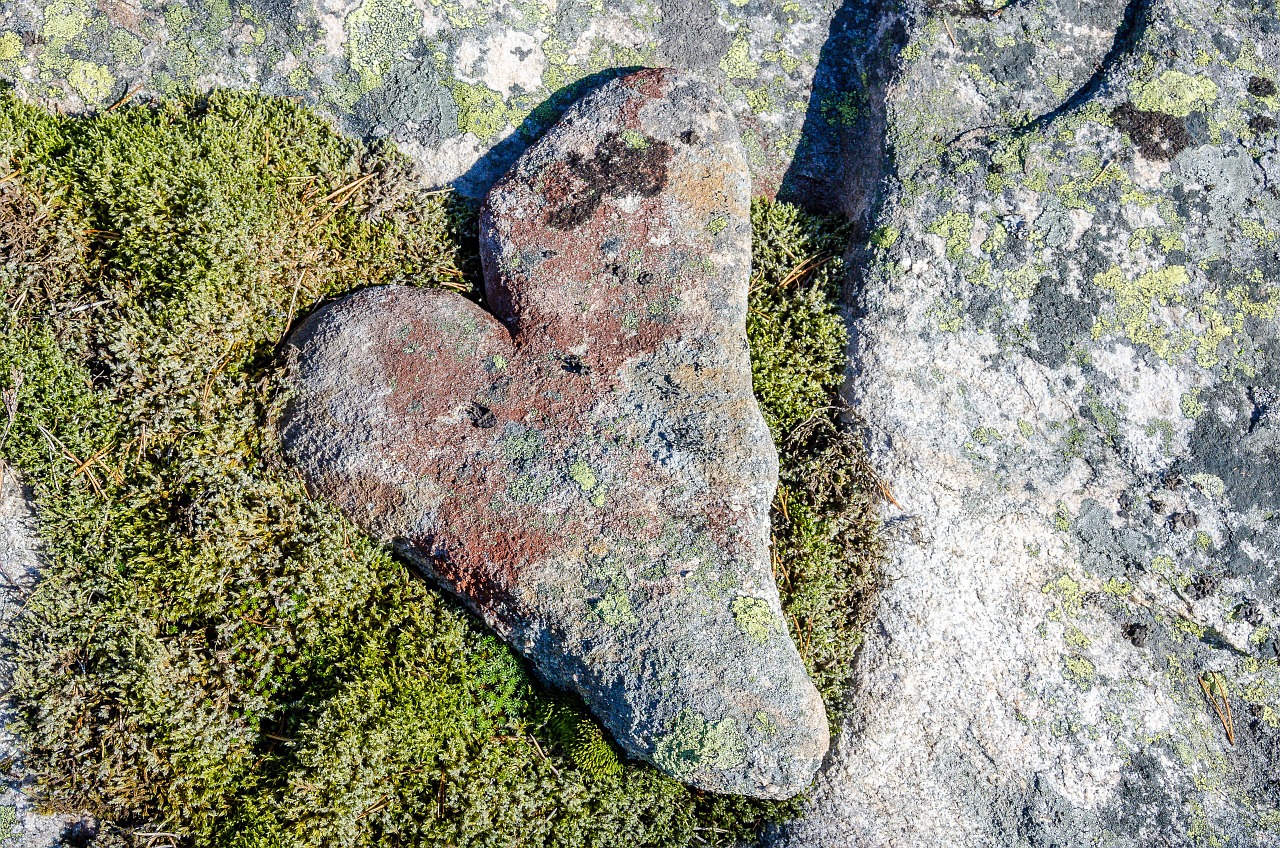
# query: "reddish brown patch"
600,264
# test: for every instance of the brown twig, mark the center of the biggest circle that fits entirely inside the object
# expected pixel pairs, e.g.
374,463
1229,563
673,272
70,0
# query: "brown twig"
545,759
951,35
293,302
123,100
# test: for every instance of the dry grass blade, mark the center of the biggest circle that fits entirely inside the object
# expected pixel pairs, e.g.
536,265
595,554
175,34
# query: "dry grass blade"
345,191
1213,690
806,267
543,755
10,398
55,442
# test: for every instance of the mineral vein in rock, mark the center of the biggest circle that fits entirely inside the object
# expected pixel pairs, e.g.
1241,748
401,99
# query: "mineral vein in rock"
586,467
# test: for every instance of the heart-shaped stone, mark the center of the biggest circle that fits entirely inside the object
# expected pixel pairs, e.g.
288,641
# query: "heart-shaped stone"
587,467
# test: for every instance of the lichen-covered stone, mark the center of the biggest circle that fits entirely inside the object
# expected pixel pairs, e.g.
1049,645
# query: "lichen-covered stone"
586,467
1068,356
463,85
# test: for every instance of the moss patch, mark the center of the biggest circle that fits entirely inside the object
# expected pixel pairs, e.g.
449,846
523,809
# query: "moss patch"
214,654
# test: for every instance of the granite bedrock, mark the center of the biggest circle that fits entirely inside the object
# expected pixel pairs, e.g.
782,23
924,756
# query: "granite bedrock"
1063,313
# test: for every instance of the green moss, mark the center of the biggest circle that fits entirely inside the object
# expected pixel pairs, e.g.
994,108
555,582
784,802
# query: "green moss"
797,337
574,731
214,650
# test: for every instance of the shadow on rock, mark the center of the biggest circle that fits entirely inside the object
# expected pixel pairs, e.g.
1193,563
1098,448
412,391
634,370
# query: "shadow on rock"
842,159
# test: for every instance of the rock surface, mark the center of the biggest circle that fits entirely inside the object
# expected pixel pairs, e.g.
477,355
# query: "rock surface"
1067,355
21,823
463,85
587,467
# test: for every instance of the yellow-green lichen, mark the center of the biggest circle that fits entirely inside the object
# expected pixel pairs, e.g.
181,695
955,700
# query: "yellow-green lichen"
377,32
63,21
583,475
754,618
1191,405
885,237
736,62
90,80
1068,595
1079,670
481,110
1174,93
1134,302
10,46
615,610
955,229
692,744
529,488
125,47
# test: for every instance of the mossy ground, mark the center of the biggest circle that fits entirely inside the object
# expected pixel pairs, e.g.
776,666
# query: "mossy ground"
213,654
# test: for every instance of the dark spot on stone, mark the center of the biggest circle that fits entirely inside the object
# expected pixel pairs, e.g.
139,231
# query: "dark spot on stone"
574,365
1261,124
689,137
1136,632
1158,136
691,35
1057,321
1269,649
1202,586
79,834
1261,87
481,416
1184,520
645,278
1172,480
1250,611
616,169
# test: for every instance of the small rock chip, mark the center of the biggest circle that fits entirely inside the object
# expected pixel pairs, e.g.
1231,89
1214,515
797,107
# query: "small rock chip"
587,467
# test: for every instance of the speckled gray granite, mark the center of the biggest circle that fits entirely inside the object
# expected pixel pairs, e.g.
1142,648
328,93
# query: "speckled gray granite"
1068,360
463,85
21,824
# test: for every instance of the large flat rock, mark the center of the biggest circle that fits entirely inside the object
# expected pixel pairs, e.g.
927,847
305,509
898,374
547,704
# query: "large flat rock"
586,467
463,85
1067,356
